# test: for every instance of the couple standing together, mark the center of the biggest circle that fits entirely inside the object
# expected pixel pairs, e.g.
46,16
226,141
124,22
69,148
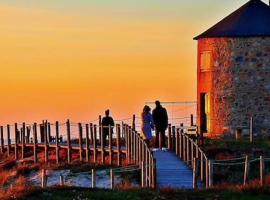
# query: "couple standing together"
157,121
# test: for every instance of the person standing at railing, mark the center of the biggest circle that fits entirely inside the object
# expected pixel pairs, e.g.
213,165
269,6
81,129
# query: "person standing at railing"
160,118
107,124
147,124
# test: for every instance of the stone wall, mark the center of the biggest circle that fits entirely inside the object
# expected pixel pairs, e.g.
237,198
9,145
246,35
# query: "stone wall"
240,83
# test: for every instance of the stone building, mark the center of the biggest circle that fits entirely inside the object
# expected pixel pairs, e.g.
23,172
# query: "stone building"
234,72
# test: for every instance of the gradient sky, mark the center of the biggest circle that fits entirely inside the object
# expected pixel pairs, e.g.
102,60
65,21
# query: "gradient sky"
74,58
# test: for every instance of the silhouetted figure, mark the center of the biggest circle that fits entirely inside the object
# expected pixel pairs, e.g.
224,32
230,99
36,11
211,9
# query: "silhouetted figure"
147,124
107,122
160,118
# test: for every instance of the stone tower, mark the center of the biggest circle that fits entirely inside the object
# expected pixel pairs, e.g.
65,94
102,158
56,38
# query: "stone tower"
234,72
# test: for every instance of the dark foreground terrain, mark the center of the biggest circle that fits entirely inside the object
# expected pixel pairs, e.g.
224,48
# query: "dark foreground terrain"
88,194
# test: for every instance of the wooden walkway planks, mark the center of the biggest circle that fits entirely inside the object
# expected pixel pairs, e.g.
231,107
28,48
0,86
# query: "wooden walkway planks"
171,171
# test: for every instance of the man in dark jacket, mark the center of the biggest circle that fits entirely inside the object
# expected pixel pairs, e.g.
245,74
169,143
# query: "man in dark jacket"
160,118
106,122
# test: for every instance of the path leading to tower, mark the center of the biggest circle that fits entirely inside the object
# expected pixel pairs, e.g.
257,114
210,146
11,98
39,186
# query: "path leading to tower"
171,171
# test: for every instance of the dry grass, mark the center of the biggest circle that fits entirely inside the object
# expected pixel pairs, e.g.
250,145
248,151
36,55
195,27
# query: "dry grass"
16,190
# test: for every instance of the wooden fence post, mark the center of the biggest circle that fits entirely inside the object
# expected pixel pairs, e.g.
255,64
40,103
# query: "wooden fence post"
46,141
80,142
43,178
95,143
23,140
202,169
246,173
188,150
112,178
191,120
174,137
2,139
16,141
68,142
8,140
99,129
91,134
142,174
262,170
169,139
57,142
87,142
251,130
102,142
211,172
194,170
49,137
118,144
35,142
134,122
94,178
177,146
206,173
110,146
62,180
181,141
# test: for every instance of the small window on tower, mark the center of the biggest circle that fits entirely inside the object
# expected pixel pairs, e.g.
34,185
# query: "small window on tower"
205,61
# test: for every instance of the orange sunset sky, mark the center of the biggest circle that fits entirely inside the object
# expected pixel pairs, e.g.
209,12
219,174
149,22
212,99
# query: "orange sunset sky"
72,59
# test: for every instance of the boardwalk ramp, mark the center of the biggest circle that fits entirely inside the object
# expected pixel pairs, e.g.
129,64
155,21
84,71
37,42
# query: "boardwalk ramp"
171,171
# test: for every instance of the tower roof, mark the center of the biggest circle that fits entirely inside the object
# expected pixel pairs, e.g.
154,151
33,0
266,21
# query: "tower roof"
250,20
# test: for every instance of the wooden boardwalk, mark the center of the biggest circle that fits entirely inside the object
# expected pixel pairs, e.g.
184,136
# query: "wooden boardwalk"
172,172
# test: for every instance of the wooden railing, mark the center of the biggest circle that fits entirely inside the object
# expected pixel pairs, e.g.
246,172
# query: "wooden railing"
139,153
124,145
188,149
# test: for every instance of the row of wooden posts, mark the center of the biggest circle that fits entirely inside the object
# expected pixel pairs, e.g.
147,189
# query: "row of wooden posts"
188,149
128,145
44,179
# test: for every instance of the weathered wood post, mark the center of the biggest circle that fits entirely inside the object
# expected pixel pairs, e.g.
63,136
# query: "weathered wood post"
91,134
87,142
61,180
118,128
185,147
154,176
127,145
16,141
181,141
262,170
202,164
8,140
174,137
68,142
134,122
194,170
46,141
192,152
2,139
177,146
43,178
191,120
23,140
110,146
94,178
206,173
80,141
211,172
169,139
49,132
95,143
251,130
246,172
102,142
188,150
112,178
99,129
35,142
28,132
57,142
142,174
